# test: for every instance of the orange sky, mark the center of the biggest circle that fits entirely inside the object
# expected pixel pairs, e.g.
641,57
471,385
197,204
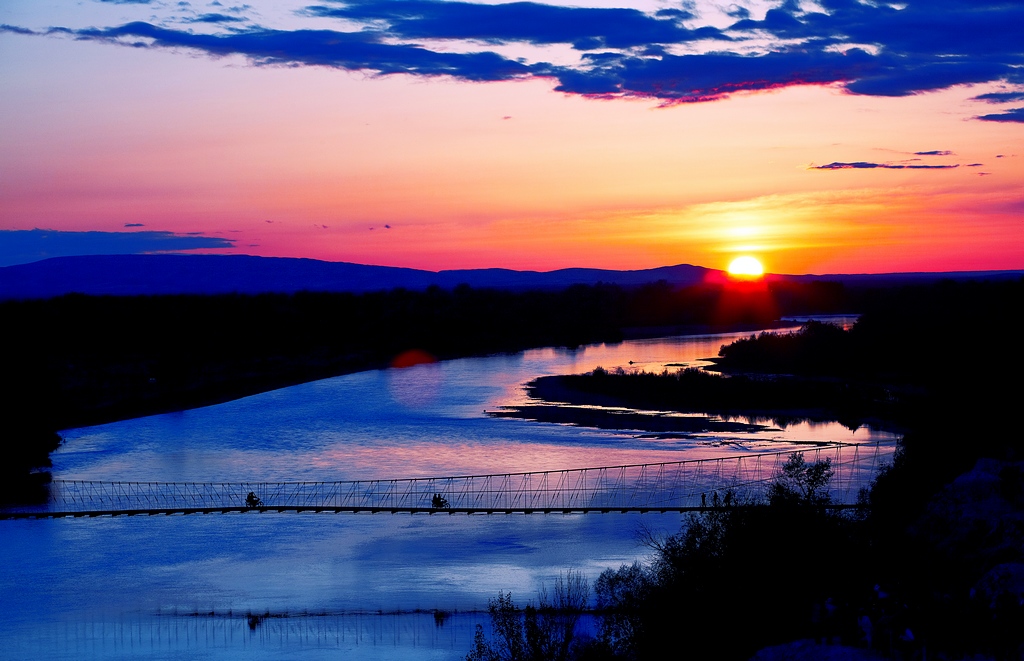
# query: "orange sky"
438,173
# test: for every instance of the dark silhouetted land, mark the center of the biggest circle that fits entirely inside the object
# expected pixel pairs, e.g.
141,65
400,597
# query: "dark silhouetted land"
80,360
933,566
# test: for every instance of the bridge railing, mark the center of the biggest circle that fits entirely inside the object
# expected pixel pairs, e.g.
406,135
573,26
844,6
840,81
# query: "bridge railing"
654,486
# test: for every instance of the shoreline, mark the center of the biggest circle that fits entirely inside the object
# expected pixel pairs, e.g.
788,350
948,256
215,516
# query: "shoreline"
201,395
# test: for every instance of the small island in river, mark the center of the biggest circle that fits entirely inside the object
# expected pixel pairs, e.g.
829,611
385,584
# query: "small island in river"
640,400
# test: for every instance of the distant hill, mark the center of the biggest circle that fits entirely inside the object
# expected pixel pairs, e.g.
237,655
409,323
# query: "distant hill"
245,274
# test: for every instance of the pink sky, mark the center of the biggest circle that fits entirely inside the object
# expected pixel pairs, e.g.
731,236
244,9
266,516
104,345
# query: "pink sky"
440,172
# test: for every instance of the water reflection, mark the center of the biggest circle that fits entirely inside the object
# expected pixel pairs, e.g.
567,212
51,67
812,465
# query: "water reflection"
421,421
844,321
416,386
372,636
64,580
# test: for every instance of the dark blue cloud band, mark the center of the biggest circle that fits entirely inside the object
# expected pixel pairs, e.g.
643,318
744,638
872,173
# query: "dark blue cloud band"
24,246
864,48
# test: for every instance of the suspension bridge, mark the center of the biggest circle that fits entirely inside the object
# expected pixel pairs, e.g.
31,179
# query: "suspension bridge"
678,486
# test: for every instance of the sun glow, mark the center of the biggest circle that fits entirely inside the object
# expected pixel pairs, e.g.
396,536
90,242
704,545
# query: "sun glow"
746,266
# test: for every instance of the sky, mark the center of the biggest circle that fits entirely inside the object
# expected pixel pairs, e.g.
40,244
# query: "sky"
838,136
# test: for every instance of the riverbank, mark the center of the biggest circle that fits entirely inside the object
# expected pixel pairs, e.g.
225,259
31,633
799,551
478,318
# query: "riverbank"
614,418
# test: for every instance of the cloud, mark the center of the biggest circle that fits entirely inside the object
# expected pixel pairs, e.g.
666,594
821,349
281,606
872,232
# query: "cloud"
735,11
215,18
671,55
24,246
1000,97
134,225
14,29
345,50
863,165
1013,115
710,76
934,152
526,22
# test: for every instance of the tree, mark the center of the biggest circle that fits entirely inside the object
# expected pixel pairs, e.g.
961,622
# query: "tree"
545,632
481,648
620,596
801,483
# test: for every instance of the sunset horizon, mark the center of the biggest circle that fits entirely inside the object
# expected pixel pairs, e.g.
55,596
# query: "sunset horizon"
724,269
491,330
831,137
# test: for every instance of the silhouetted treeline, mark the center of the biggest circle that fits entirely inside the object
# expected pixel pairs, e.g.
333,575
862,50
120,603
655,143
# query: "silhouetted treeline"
78,360
909,334
957,342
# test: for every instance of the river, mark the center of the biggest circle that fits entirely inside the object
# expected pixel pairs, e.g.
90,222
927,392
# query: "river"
352,585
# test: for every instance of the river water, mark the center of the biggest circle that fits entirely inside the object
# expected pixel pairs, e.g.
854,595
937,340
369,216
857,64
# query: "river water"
338,585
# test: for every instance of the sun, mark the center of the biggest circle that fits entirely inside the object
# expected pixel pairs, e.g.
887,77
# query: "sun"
746,267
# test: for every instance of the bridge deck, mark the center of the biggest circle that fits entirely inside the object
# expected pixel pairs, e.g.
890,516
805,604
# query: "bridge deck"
374,510
682,486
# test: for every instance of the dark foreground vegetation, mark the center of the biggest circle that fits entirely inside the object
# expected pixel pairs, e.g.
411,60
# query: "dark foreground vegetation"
785,578
933,568
82,360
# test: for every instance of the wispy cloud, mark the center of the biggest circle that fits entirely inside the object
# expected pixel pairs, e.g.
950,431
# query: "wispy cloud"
1000,97
24,246
864,165
215,18
1013,115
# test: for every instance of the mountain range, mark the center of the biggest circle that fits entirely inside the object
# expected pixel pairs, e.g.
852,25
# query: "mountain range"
245,274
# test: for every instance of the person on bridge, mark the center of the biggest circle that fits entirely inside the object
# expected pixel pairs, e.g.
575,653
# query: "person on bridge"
252,500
